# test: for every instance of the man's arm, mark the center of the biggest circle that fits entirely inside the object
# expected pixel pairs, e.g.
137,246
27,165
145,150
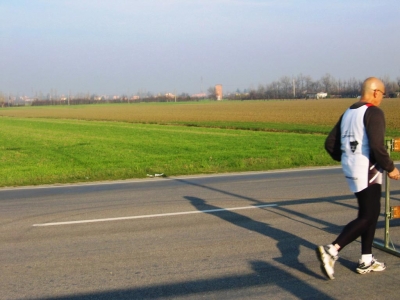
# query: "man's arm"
374,120
332,142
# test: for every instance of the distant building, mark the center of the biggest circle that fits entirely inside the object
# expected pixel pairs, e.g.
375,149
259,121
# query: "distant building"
199,95
218,91
317,95
169,95
322,95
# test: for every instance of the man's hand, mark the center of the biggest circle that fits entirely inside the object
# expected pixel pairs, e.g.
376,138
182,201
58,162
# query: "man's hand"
394,174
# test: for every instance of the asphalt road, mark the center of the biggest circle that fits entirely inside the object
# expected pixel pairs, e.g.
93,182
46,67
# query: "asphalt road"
236,236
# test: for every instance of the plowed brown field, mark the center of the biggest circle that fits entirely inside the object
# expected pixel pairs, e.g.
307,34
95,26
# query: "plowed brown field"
314,112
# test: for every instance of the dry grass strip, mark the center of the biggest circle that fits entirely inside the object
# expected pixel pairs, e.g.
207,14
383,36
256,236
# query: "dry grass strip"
318,112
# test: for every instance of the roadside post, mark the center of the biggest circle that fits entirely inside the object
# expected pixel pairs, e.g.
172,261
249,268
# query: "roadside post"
391,212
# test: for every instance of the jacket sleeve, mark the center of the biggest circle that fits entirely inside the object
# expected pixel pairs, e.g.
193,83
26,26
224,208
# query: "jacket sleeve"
332,142
375,126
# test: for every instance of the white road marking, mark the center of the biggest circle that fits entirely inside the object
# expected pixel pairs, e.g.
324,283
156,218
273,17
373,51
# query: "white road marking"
152,216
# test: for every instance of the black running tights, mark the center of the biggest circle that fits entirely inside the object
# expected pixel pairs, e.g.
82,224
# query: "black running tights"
369,206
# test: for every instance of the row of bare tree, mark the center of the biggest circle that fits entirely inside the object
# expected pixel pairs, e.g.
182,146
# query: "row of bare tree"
298,87
302,86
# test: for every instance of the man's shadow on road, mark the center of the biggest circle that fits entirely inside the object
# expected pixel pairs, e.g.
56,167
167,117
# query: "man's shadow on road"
287,243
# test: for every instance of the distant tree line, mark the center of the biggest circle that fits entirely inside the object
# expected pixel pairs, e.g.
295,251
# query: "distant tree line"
298,87
124,99
302,86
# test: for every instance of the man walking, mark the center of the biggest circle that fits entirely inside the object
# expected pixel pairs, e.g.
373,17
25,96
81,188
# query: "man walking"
357,141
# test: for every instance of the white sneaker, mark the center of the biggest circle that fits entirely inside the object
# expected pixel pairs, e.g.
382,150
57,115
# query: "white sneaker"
374,266
327,260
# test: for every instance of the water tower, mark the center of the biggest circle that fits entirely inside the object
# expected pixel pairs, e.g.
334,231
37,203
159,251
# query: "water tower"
218,91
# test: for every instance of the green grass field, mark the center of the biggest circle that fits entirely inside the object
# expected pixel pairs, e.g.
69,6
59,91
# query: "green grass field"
51,150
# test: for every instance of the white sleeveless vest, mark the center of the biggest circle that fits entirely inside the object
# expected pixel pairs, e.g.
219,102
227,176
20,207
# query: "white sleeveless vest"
359,172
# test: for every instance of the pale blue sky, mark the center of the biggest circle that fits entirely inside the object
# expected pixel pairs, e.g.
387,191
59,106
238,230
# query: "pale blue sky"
123,46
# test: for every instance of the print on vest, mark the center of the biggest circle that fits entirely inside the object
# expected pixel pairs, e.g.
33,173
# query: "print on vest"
353,146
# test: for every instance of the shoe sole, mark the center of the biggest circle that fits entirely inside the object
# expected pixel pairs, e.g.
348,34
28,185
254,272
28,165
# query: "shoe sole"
362,272
318,252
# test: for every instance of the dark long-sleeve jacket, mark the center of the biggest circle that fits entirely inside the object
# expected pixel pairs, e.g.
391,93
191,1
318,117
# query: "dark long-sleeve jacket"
374,122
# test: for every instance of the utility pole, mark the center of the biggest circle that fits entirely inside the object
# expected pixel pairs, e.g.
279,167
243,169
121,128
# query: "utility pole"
294,90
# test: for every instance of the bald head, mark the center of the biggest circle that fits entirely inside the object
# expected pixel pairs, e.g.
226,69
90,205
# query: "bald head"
372,91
